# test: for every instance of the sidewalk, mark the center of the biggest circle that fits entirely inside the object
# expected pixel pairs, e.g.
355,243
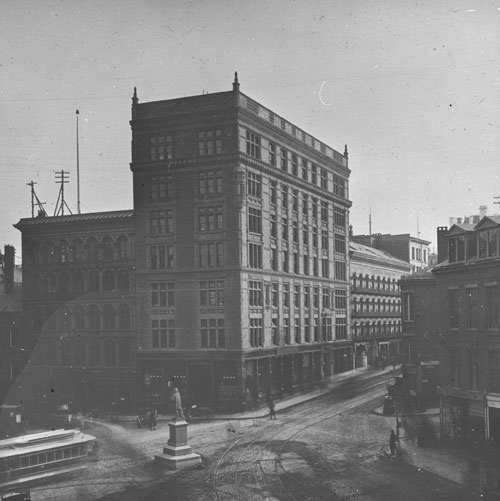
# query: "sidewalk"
285,403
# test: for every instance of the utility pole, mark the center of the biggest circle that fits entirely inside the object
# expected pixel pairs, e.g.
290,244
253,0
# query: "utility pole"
77,166
62,178
36,201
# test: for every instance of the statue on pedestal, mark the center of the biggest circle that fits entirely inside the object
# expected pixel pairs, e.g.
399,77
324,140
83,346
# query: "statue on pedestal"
176,398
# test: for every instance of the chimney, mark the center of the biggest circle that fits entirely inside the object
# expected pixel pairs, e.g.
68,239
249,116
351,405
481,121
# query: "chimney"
482,211
442,248
8,268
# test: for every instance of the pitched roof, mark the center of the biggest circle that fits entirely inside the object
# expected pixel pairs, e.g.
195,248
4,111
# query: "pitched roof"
76,218
356,248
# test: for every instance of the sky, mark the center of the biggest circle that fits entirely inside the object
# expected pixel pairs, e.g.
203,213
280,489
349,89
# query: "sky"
412,87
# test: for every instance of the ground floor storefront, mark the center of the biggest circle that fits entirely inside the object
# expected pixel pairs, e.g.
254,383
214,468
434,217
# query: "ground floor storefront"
235,381
377,351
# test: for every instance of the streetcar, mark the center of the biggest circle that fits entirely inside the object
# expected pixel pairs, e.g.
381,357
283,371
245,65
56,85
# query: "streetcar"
38,456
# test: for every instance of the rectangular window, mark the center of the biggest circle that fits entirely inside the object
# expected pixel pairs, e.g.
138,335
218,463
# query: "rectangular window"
340,328
307,297
326,297
340,217
296,296
295,165
283,159
315,237
315,208
162,294
254,293
210,218
494,371
295,231
339,185
256,333
325,268
162,257
286,330
275,333
210,182
273,192
305,205
315,267
254,185
324,211
305,234
254,220
286,259
492,298
284,229
210,142
212,332
340,270
340,299
306,264
274,259
161,221
163,333
295,200
327,329
324,179
316,297
255,255
408,300
297,333
161,188
296,263
314,174
471,307
211,255
272,154
212,293
455,368
305,169
253,144
473,370
160,148
307,329
454,309
316,329
286,295
284,197
273,226
324,239
274,295
340,243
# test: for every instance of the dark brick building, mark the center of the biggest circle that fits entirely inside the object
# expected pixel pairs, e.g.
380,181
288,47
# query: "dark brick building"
230,276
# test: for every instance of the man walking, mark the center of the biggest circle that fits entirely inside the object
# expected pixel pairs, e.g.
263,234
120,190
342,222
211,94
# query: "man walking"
272,412
392,443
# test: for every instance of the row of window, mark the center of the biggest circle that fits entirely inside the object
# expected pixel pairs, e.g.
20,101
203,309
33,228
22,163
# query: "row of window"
300,167
375,306
476,372
298,330
374,283
86,353
363,329
77,283
268,294
79,318
483,244
90,250
208,142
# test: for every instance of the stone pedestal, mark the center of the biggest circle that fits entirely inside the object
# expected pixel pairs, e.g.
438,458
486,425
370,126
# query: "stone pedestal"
177,453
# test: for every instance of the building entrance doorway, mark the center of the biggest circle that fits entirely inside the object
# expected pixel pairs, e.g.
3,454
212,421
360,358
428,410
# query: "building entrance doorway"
200,384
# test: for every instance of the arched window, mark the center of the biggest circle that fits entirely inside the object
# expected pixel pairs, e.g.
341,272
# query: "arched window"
122,244
109,316
92,249
78,282
93,281
51,283
48,252
76,250
63,251
124,316
63,282
94,354
64,319
65,352
94,318
123,280
125,358
79,318
109,353
107,249
108,280
80,354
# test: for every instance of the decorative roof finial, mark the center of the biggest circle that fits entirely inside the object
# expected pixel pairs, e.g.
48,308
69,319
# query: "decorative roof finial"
346,153
135,99
236,84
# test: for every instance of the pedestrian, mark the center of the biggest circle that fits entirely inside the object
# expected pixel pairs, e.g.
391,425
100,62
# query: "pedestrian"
149,420
392,443
272,412
154,418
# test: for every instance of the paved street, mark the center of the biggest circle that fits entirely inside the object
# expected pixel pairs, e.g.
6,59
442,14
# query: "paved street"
330,448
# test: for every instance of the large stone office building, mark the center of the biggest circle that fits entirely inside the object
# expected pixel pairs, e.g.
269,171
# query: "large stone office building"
238,256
